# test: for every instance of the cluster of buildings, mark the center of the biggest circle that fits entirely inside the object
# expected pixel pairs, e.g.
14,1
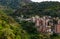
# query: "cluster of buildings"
47,24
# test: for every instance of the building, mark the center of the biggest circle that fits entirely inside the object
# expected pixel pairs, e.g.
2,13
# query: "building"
47,24
57,27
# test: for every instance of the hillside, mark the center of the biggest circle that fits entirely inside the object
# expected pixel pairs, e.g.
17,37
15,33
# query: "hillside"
15,4
14,27
10,29
43,8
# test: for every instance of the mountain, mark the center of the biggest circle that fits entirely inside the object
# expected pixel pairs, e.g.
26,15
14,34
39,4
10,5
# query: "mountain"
41,9
13,3
12,28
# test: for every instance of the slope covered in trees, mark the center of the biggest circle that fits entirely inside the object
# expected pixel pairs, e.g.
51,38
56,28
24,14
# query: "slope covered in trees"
15,4
43,8
10,29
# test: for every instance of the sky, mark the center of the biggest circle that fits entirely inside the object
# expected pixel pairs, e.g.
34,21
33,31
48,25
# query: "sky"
44,0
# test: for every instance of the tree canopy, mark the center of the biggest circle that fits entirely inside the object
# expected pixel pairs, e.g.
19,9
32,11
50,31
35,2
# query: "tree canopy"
43,8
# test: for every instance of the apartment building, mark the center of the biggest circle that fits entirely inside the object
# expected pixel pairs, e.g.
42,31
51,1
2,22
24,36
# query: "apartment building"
47,24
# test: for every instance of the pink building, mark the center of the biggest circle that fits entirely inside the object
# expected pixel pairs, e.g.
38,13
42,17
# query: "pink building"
47,24
57,27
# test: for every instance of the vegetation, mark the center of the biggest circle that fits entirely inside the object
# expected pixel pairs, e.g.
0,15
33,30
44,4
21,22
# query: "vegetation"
41,9
14,4
11,28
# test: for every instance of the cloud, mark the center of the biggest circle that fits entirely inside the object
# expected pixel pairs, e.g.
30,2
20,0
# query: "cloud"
44,0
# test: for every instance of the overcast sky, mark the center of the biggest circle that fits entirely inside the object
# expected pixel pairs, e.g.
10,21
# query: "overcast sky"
44,0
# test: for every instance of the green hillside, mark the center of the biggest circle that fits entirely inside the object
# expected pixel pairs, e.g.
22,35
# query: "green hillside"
10,29
41,9
14,4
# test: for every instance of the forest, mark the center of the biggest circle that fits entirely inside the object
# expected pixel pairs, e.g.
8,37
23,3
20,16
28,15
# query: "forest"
10,28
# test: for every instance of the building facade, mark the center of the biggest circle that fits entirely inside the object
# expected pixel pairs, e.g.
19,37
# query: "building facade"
47,24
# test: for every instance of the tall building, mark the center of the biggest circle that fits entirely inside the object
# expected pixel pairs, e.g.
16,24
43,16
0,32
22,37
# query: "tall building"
47,24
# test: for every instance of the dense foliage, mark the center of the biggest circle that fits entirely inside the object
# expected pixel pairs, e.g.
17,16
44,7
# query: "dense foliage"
12,3
11,28
41,9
